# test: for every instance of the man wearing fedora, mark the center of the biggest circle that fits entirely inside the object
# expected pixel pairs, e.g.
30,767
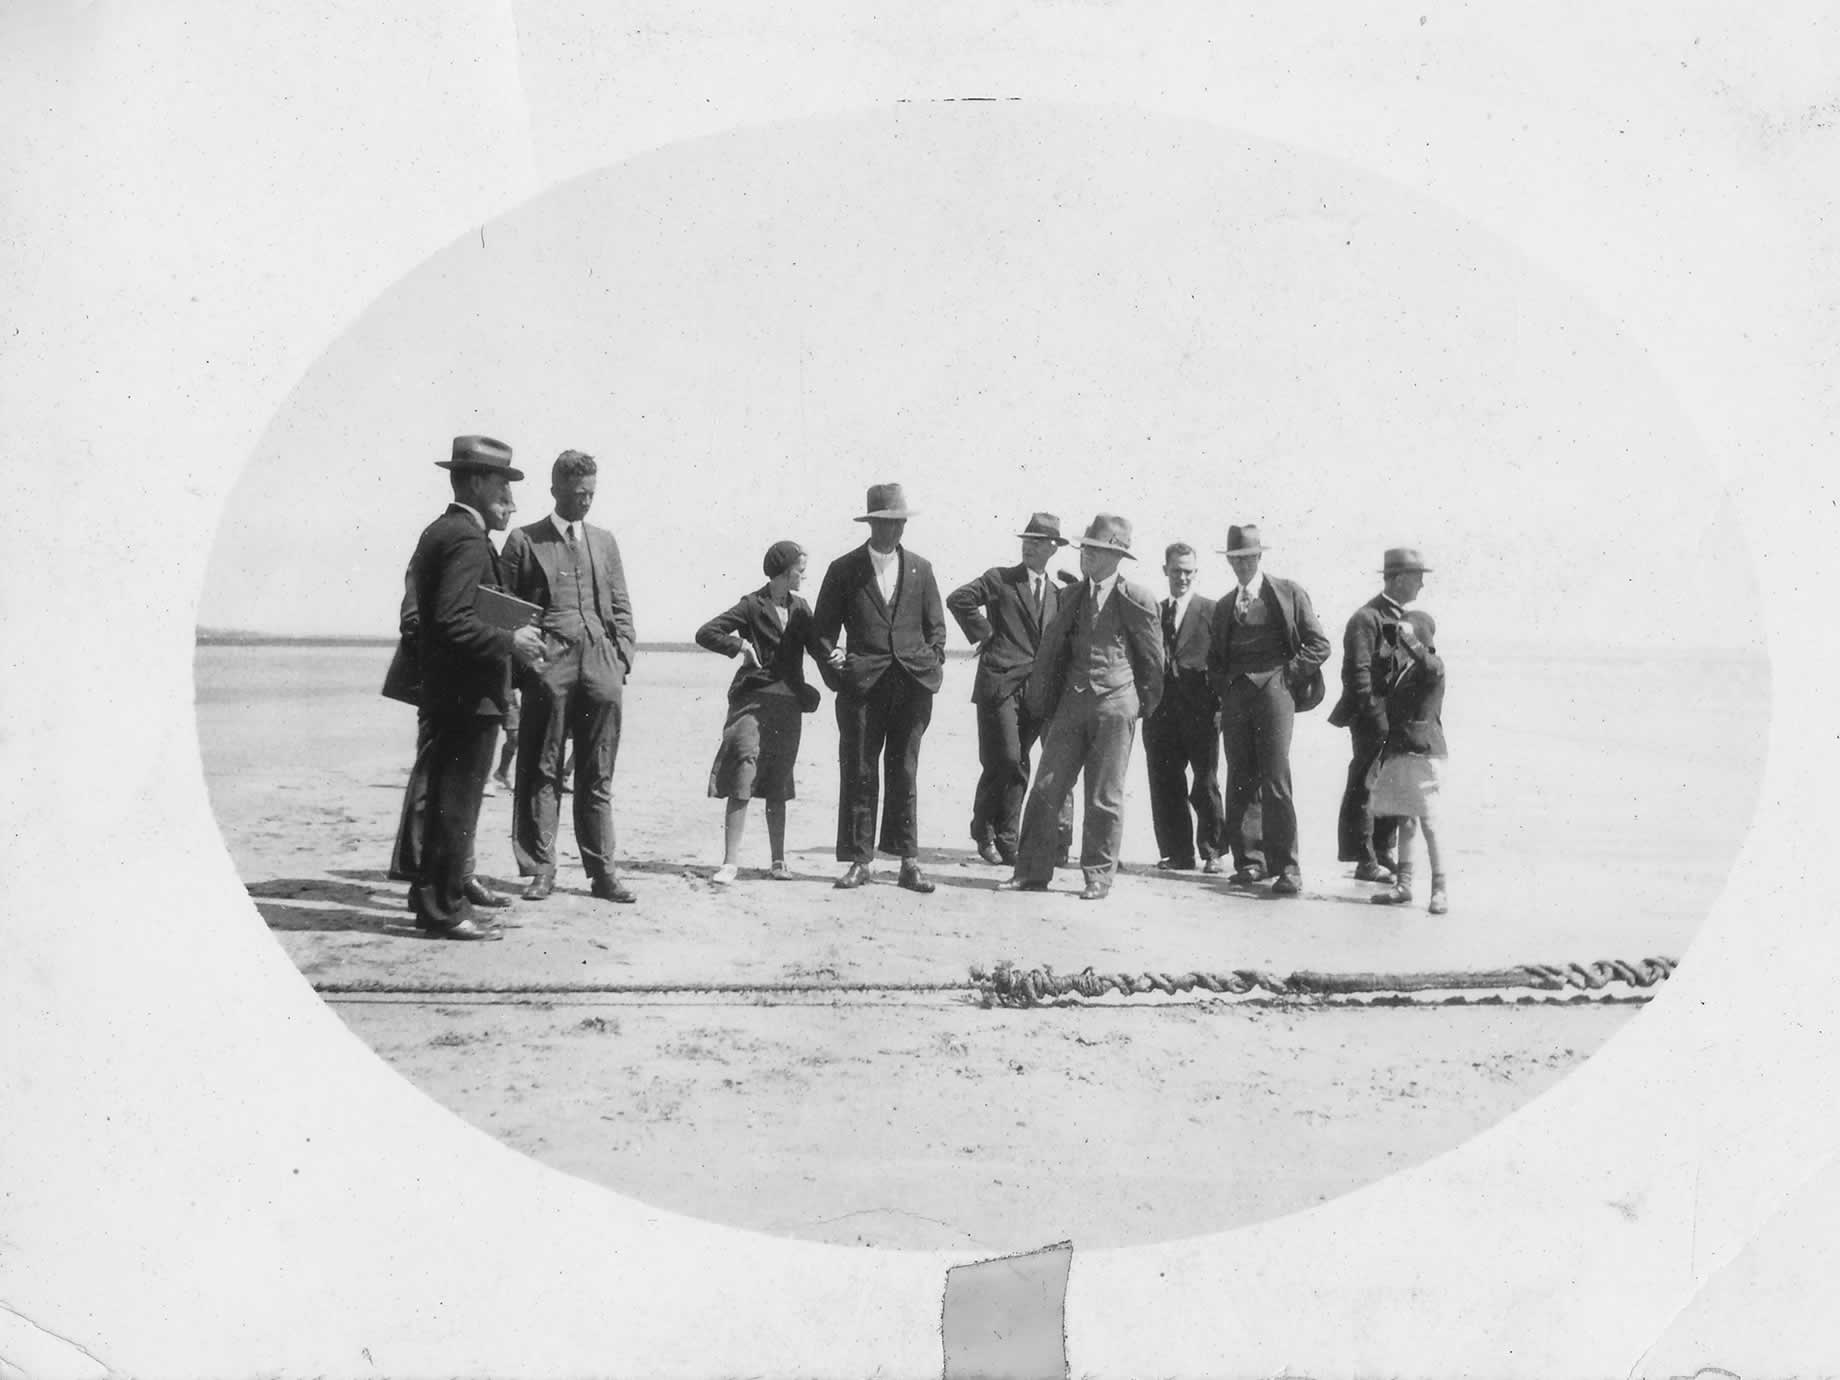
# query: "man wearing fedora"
884,602
1363,839
572,571
466,677
1002,614
1182,739
1098,670
1265,662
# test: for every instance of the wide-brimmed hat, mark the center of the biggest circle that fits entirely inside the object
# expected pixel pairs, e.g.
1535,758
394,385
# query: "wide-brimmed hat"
481,453
885,501
1399,559
1044,525
1243,541
1108,532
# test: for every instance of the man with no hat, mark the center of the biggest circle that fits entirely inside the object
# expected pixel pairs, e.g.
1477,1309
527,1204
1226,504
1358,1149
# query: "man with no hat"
1182,739
1098,670
466,677
883,601
1002,614
572,571
1265,663
1362,838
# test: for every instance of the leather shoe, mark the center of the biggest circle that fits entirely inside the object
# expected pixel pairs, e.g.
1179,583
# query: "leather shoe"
1212,867
1290,884
540,887
472,928
1440,901
1395,895
1250,875
988,852
1095,892
1020,884
612,889
857,875
482,895
913,879
1175,865
1372,872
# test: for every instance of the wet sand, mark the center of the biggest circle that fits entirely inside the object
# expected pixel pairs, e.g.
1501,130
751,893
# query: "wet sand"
1593,815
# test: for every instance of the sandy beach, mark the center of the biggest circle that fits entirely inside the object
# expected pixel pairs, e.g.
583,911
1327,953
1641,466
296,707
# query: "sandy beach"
1595,811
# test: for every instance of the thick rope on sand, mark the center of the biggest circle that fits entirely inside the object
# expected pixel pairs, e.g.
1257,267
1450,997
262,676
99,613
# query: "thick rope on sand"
1008,985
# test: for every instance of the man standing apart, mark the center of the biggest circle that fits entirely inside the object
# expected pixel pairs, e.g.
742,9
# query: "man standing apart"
1181,739
1265,663
1099,669
1368,841
884,599
465,666
573,571
1002,614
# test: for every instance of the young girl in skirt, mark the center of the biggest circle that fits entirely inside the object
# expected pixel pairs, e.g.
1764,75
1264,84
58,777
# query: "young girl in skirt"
1406,782
770,630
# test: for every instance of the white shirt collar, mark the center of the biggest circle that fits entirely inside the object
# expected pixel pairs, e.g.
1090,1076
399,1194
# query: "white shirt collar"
1254,587
473,513
882,562
1101,588
561,525
1392,603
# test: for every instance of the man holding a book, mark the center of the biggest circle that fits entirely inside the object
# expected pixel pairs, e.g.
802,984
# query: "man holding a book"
465,663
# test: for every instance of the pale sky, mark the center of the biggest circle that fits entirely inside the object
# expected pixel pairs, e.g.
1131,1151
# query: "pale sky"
1006,309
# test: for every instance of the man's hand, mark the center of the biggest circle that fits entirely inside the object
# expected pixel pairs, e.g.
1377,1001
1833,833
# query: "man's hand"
836,658
527,646
1409,640
748,657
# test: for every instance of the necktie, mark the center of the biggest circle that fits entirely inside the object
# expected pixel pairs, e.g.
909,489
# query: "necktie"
1169,634
1244,606
1038,585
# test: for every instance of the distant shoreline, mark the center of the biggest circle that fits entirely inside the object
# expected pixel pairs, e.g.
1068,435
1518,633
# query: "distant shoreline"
213,637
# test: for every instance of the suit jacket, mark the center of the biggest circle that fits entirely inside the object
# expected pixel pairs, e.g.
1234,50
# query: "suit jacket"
1141,628
532,556
1304,641
1414,686
995,611
403,681
465,661
782,650
1361,699
1185,681
911,634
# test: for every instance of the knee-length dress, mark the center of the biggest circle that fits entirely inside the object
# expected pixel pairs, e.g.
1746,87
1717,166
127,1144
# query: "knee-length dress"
760,740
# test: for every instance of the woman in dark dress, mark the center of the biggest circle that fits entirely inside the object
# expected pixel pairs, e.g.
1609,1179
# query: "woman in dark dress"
770,630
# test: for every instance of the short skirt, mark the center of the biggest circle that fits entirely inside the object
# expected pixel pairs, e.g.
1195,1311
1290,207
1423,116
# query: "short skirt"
1407,785
760,745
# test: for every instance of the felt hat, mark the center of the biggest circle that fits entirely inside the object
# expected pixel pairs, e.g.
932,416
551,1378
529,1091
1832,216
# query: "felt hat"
1044,525
481,453
1403,558
885,501
1108,532
1243,541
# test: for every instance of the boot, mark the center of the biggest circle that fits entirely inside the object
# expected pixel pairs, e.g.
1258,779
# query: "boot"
1399,893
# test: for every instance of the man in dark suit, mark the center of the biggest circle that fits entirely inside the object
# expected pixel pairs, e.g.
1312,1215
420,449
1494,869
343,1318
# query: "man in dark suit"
572,571
1098,670
1182,739
884,600
1361,838
403,682
466,676
1265,663
1002,613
